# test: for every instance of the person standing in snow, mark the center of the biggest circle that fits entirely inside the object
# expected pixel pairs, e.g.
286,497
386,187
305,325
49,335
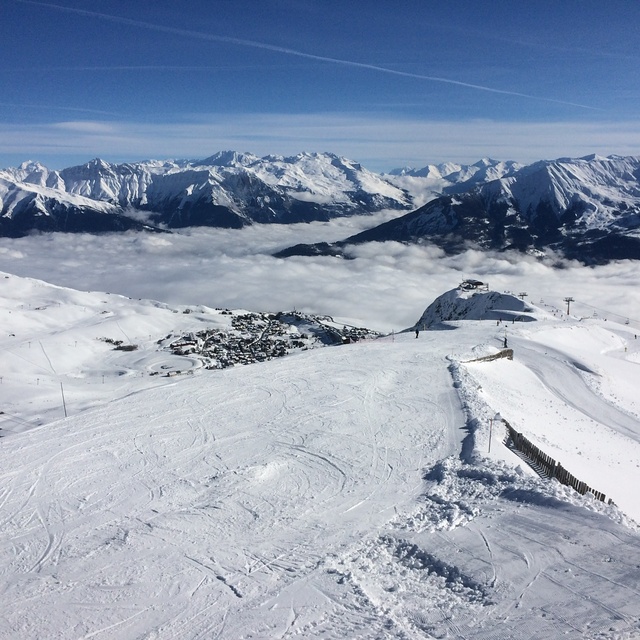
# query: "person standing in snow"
417,332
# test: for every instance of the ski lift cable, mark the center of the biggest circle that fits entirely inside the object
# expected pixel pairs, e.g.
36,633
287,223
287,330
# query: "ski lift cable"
607,311
625,318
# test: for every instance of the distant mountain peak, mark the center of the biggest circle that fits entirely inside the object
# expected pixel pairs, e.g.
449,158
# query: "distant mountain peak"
32,165
98,163
228,159
486,162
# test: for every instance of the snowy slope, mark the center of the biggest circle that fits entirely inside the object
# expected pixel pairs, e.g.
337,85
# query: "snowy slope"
338,493
571,386
67,351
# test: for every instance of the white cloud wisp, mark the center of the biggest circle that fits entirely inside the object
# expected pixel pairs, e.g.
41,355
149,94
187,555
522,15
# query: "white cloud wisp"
380,143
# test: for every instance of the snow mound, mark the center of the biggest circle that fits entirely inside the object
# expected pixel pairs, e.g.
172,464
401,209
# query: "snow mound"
471,304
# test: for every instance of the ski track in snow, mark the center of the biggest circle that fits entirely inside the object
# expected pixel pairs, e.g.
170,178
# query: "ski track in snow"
339,493
563,379
235,486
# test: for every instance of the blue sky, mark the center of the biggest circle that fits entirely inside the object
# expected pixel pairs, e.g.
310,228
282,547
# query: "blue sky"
387,84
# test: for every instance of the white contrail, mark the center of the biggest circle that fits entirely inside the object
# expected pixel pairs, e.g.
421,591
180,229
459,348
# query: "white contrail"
54,107
294,52
142,67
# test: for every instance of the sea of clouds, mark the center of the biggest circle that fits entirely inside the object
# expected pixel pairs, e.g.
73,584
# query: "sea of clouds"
384,286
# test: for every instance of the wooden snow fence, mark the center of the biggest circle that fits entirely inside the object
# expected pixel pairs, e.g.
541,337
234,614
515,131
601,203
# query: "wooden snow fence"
505,353
545,465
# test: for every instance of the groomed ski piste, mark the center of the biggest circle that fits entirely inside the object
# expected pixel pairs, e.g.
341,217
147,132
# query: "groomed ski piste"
353,491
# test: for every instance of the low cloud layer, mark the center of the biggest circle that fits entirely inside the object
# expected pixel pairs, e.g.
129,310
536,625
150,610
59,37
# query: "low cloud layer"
386,286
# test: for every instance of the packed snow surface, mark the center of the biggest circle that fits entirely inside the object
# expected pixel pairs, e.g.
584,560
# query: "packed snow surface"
341,492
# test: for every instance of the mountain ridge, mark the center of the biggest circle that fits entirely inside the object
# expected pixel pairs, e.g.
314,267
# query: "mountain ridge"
227,189
586,209
582,208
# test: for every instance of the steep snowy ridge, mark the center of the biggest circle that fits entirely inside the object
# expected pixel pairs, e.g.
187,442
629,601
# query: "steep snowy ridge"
226,189
124,184
15,200
586,209
595,187
33,173
28,207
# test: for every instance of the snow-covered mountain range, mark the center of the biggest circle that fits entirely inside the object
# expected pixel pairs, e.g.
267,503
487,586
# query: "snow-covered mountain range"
449,177
228,189
367,490
585,208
